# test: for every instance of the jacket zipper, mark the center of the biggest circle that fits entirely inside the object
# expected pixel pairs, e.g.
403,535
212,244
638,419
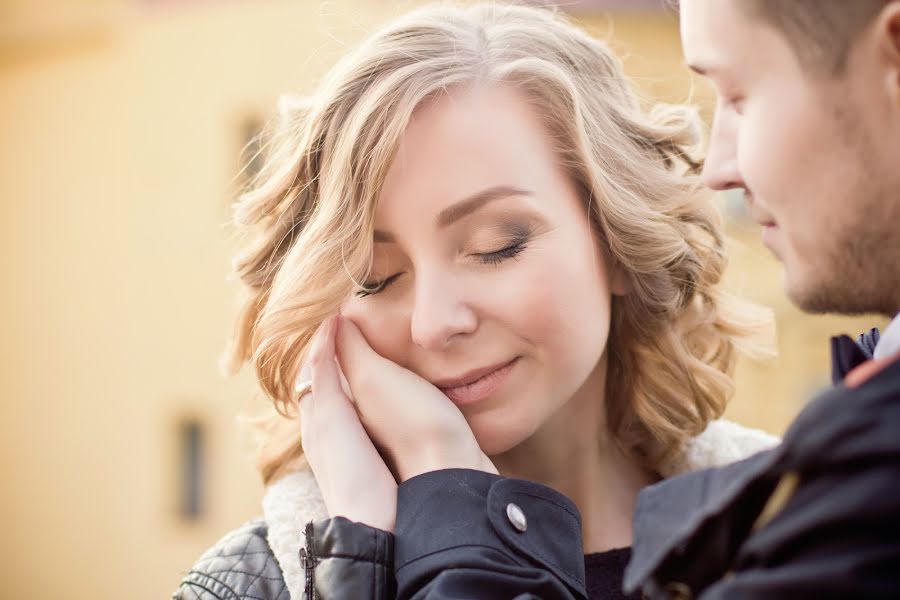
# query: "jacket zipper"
308,562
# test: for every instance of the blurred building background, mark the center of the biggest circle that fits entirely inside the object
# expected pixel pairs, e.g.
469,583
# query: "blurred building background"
122,124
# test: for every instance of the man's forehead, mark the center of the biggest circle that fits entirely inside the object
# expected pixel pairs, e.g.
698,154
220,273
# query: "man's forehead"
702,23
716,36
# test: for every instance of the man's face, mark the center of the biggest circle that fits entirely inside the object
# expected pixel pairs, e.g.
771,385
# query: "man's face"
818,155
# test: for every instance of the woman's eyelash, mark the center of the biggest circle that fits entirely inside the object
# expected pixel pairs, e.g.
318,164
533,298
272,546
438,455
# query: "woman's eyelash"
370,288
493,258
488,258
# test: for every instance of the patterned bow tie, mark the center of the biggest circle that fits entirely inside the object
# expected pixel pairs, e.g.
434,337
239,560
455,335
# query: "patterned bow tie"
847,354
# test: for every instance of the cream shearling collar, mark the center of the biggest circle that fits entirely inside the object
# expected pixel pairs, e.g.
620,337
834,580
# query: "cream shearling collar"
294,500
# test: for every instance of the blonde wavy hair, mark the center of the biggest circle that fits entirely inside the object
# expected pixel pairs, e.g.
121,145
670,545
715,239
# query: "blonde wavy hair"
308,216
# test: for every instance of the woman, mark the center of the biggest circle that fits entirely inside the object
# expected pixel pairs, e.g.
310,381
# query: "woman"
527,277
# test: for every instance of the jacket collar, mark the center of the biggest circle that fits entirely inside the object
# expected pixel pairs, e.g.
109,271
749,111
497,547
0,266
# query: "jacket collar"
680,523
295,499
288,505
671,514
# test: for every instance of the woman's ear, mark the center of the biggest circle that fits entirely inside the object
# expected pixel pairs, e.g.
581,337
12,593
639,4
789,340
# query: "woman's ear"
619,282
616,275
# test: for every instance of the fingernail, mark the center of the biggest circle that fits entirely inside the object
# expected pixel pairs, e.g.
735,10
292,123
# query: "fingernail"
315,344
333,326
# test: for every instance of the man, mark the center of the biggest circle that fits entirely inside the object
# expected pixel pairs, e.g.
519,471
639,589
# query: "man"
808,124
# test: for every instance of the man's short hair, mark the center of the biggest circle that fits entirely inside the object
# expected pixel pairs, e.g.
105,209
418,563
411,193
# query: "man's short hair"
822,32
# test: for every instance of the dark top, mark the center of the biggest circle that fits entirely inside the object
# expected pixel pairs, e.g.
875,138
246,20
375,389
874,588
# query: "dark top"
603,573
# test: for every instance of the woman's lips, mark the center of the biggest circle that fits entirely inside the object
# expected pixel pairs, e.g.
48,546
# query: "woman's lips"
481,388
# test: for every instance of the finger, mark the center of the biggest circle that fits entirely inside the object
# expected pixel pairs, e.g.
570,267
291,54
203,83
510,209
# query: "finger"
325,378
316,343
305,401
307,416
356,356
316,370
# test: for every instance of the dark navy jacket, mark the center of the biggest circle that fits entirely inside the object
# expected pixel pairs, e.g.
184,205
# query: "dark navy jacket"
816,517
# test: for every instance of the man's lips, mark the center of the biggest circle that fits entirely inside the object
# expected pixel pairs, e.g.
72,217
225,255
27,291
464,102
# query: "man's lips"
757,213
763,219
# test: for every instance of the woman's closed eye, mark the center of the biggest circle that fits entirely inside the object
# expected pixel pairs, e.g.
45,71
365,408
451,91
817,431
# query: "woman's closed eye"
494,257
371,288
498,256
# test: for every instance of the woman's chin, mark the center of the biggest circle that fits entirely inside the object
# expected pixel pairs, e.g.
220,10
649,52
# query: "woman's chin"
496,436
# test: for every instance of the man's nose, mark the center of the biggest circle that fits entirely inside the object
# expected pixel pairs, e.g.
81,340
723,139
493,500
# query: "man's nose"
720,169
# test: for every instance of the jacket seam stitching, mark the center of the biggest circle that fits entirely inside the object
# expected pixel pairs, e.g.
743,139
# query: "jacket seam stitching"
494,548
375,561
199,574
202,587
551,501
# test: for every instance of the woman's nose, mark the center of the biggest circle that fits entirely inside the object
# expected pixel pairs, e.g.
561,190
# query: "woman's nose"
440,314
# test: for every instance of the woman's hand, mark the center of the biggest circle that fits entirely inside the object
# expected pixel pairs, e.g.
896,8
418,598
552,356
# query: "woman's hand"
354,480
411,421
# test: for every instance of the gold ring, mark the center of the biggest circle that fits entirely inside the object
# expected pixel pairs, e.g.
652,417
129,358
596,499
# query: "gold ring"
302,388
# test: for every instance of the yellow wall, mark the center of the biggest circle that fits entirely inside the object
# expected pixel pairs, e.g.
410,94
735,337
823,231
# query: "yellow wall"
119,149
120,137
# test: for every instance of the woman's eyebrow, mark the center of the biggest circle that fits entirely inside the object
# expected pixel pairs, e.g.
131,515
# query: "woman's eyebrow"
476,201
464,207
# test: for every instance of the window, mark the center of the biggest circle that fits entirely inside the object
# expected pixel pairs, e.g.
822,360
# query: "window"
251,156
191,469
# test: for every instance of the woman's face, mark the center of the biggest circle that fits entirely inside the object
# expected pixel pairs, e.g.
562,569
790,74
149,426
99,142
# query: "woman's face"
491,284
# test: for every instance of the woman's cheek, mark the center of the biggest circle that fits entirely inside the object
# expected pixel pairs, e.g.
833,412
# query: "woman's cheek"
385,329
567,314
533,306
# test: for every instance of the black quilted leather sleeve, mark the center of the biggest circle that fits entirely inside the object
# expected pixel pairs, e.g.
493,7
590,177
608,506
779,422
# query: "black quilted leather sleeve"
240,566
348,561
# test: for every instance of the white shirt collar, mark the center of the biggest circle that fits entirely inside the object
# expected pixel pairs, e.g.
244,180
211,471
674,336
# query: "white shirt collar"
889,343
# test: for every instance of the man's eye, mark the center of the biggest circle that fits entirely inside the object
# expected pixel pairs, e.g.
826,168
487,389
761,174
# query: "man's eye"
371,288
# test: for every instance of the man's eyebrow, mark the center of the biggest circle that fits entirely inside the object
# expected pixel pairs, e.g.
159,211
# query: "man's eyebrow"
465,207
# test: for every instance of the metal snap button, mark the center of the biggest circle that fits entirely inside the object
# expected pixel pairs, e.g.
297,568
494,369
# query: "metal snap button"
678,591
516,517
